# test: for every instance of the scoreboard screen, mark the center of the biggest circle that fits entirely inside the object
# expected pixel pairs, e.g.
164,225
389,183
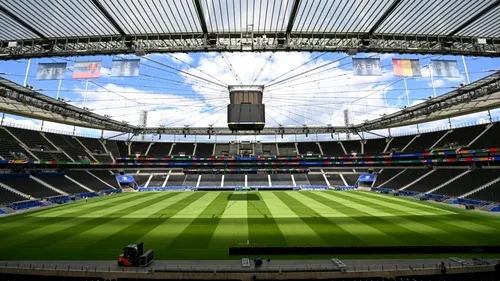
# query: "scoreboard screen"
246,116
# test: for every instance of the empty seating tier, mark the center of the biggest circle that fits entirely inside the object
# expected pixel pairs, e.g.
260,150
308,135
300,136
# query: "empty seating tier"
489,138
335,180
123,149
141,179
281,180
222,149
424,142
32,139
159,149
316,179
470,181
234,180
385,175
490,193
30,187
407,177
204,149
139,148
287,149
398,144
71,146
435,179
157,181
332,148
106,176
7,196
87,179
64,184
182,148
269,149
308,148
93,145
210,180
374,146
190,180
460,137
9,145
351,179
103,158
257,180
112,147
51,156
175,180
301,179
352,147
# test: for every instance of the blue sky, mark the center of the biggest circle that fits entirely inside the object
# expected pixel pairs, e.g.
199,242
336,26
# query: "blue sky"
309,88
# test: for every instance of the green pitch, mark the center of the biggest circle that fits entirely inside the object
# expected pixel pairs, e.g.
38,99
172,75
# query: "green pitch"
203,225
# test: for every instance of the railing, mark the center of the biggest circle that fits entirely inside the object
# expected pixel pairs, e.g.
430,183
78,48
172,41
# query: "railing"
267,267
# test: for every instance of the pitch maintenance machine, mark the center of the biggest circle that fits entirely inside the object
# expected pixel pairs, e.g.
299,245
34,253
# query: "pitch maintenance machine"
246,112
133,255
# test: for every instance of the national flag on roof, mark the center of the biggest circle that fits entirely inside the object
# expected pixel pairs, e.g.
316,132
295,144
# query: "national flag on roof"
88,69
406,67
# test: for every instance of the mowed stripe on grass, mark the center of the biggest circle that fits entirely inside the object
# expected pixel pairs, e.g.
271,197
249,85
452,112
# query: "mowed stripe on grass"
461,231
294,229
203,225
49,228
232,229
426,232
23,222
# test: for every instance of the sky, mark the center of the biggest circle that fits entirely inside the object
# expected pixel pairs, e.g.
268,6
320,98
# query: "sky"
301,88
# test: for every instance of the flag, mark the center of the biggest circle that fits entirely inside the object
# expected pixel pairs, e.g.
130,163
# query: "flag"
406,67
88,69
367,67
51,71
125,67
446,68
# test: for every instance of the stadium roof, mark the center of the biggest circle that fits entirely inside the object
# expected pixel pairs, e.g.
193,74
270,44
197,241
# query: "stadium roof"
42,28
478,96
19,100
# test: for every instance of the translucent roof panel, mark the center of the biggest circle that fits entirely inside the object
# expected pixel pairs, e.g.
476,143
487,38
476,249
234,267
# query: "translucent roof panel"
237,15
60,18
339,16
486,26
154,16
430,17
12,30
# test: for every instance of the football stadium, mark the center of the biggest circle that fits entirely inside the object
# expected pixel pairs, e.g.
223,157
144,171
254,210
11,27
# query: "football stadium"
249,140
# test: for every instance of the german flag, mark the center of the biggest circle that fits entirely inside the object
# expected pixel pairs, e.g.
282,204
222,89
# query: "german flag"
406,67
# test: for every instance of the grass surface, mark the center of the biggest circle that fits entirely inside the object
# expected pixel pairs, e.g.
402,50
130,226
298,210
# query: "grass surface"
203,225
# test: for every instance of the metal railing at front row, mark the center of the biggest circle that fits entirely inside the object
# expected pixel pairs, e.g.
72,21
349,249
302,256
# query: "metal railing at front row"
234,268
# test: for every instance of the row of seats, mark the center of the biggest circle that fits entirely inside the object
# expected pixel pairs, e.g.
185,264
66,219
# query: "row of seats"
449,181
30,186
481,136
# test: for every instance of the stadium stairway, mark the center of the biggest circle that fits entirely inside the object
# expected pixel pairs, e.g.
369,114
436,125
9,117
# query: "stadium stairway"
106,176
48,185
492,186
470,181
9,194
448,182
437,177
416,180
25,184
386,175
87,179
14,144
